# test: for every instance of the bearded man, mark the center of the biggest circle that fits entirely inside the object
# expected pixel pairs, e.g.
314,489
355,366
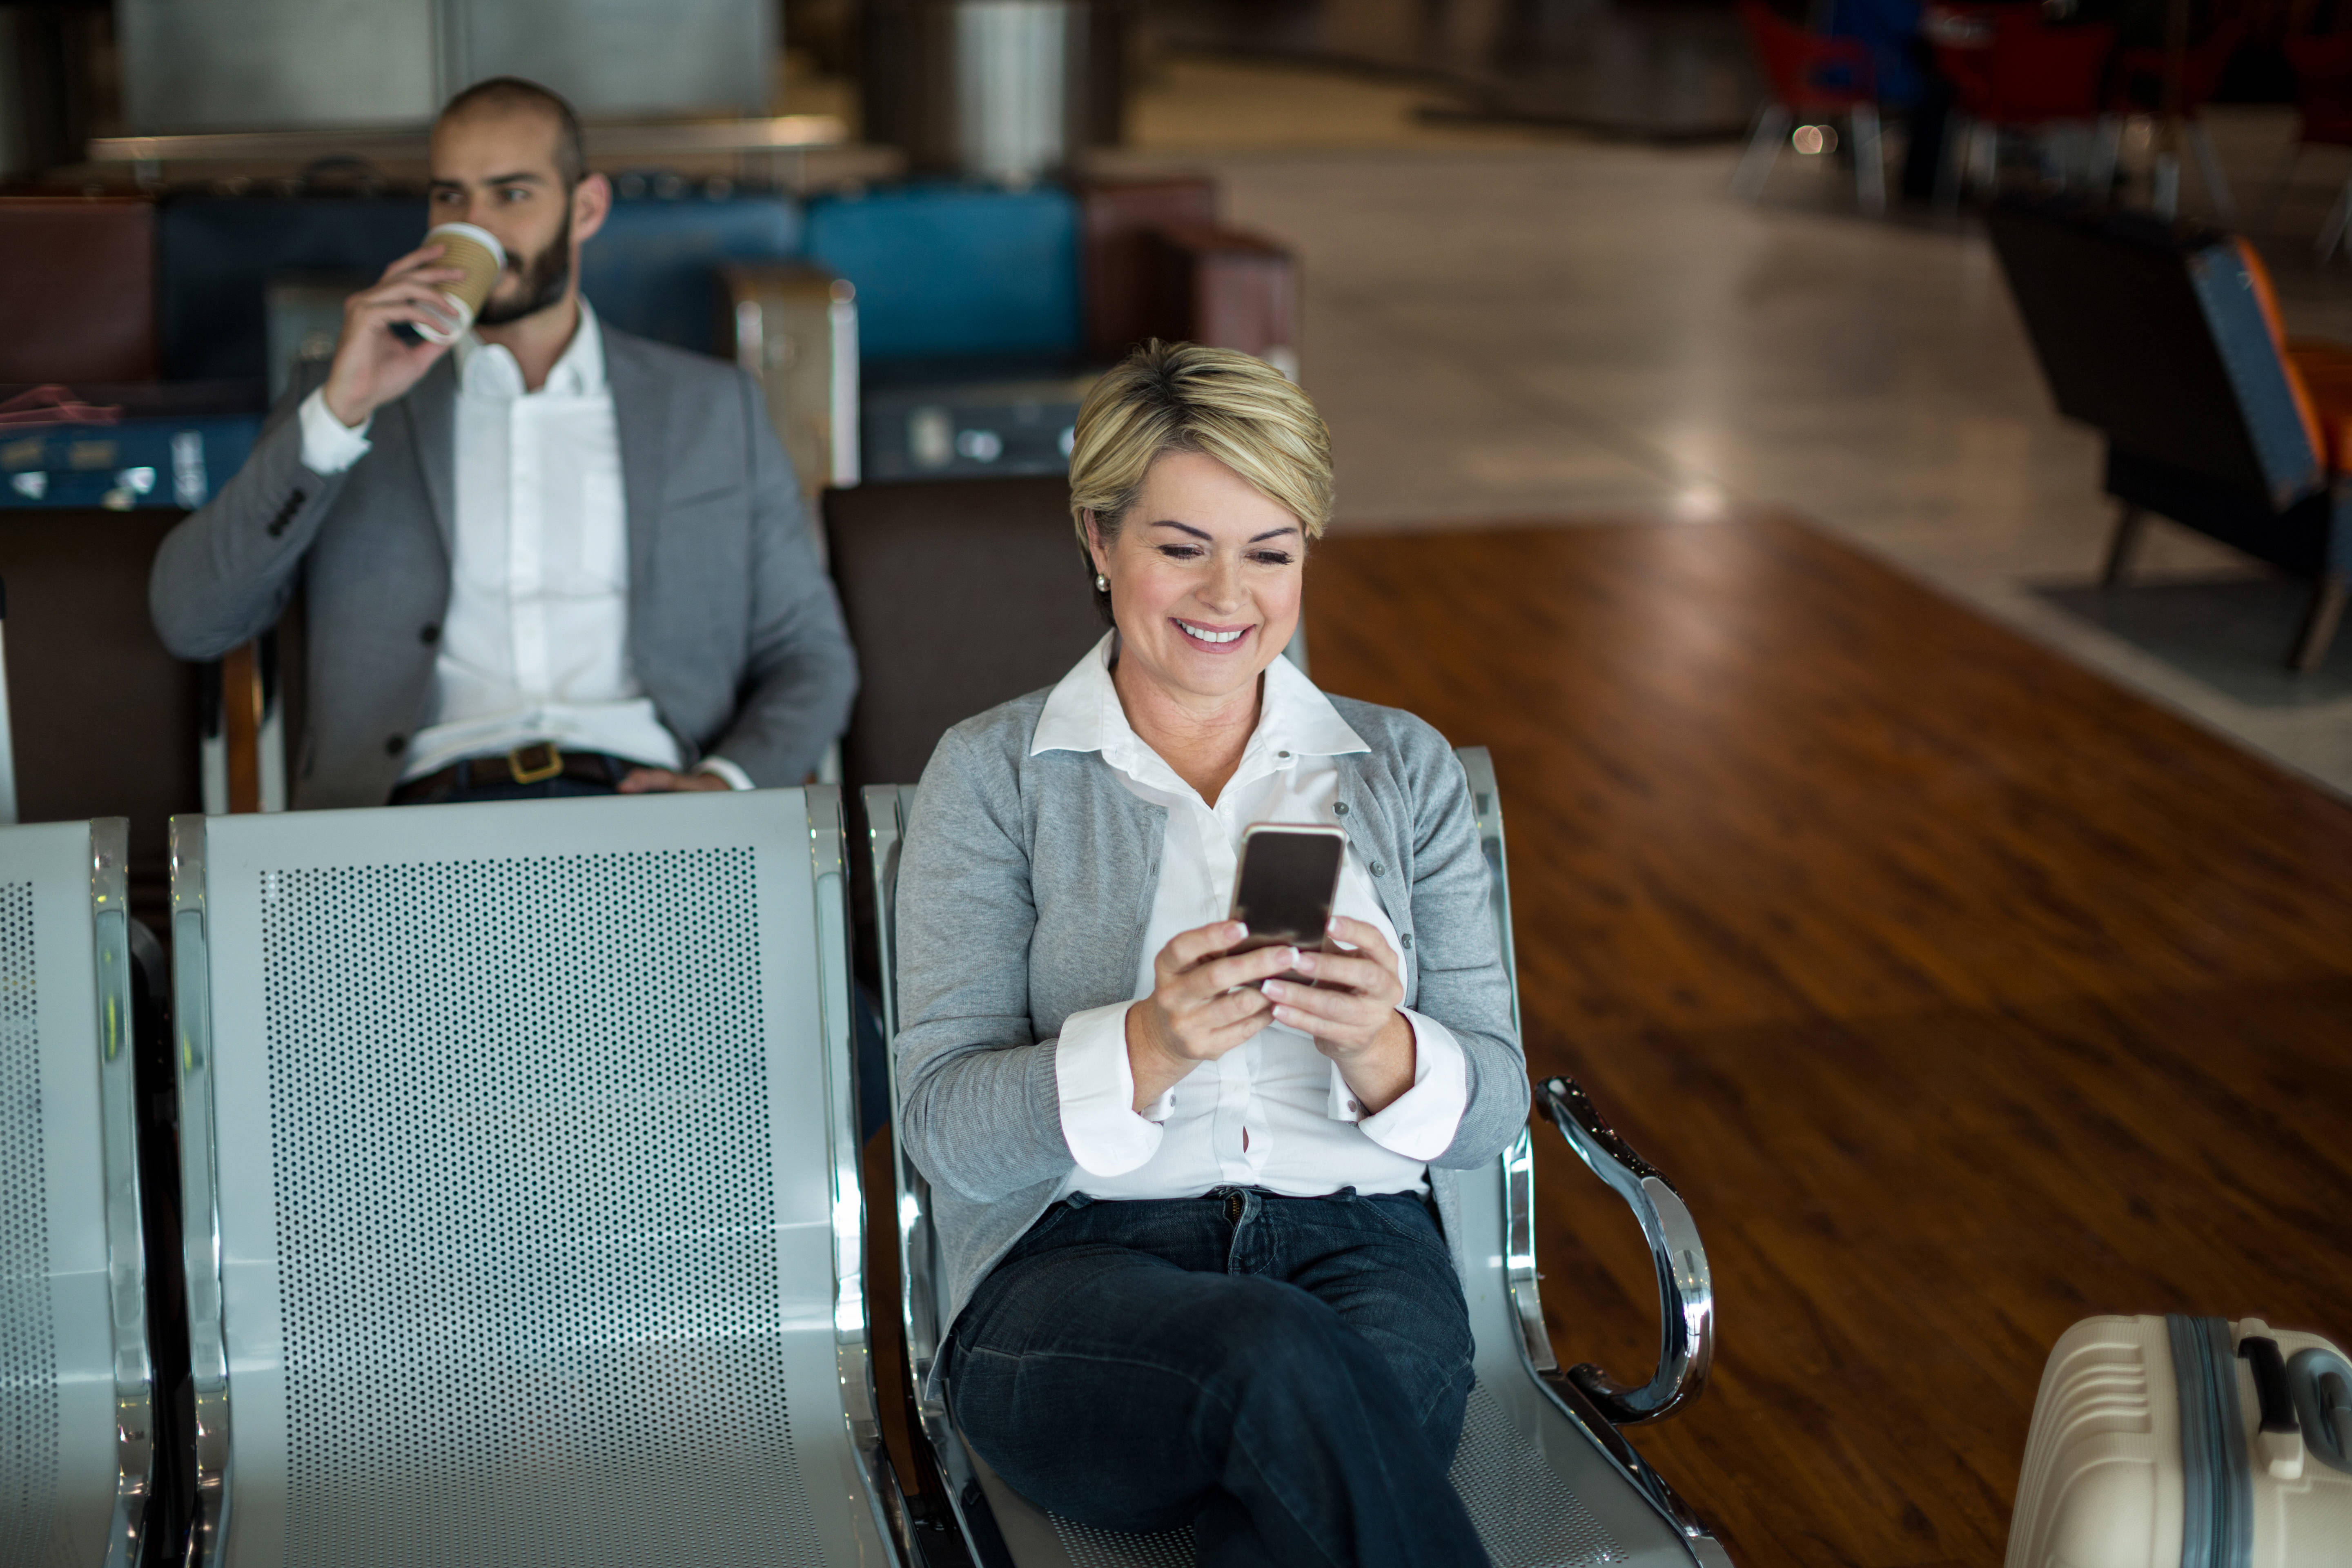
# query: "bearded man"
550,559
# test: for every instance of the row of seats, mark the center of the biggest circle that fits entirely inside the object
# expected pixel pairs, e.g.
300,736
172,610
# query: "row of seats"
484,1184
519,1213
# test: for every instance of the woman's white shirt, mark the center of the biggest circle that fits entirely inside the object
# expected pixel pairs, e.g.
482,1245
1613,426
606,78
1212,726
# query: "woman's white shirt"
1274,1112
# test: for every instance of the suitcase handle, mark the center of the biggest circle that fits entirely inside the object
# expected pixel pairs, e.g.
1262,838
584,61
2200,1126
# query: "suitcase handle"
2271,1388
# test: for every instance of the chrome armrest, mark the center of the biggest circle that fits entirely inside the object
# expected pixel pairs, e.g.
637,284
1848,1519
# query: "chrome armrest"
1686,1291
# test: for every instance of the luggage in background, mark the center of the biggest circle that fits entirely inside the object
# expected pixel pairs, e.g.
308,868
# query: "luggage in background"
172,446
2187,1443
1117,218
795,326
1229,289
76,288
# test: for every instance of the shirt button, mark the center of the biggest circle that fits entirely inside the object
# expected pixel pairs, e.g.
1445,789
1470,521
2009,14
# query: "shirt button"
395,744
1282,757
428,635
1354,1109
1339,808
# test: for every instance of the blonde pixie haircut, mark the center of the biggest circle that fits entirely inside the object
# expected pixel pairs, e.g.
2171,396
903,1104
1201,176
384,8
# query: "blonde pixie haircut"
1183,397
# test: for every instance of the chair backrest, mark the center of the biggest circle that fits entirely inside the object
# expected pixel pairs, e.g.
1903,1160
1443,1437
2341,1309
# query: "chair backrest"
2157,336
2036,71
1545,1480
81,643
75,1402
960,595
521,1201
923,569
1807,71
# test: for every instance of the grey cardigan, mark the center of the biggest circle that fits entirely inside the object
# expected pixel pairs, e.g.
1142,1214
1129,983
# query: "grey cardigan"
1024,891
734,631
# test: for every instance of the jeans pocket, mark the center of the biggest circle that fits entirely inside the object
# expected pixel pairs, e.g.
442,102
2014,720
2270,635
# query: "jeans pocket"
1418,1225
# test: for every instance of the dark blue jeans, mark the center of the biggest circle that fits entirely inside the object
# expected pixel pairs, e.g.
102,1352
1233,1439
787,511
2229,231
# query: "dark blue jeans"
1287,1375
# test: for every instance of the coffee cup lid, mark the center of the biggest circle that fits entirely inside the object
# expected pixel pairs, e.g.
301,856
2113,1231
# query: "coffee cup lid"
481,236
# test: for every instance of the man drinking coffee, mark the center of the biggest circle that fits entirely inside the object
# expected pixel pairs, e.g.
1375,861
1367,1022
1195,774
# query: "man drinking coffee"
547,558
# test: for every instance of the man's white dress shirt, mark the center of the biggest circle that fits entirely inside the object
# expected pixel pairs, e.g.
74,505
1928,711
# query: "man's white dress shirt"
535,644
1274,1112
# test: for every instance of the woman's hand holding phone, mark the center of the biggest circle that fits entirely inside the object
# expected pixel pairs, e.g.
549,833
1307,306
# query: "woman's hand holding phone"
1351,1010
1205,1002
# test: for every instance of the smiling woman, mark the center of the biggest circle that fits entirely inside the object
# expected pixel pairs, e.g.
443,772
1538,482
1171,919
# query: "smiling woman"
1196,1212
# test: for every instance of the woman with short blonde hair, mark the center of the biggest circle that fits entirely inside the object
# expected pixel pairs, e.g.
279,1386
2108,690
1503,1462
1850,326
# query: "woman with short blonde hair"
1196,1212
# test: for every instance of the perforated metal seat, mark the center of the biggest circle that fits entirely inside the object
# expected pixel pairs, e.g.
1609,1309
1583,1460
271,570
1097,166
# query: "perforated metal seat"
1542,1469
523,1222
76,1399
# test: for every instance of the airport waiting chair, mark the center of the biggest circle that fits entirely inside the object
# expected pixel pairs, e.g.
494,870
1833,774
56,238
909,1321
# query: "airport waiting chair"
2166,339
1817,78
522,1214
2135,86
78,1462
1543,1470
2011,70
2323,96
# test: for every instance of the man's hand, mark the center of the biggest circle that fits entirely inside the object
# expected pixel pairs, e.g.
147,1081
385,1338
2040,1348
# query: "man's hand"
1202,1004
661,780
1351,1010
372,366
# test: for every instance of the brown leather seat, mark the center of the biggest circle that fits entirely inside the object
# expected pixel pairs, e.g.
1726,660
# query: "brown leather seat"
960,595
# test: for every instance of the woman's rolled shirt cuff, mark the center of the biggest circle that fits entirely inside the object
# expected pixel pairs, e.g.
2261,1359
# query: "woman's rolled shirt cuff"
1095,1084
1420,1122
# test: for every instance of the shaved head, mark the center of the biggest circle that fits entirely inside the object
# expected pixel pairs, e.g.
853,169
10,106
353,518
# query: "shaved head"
505,95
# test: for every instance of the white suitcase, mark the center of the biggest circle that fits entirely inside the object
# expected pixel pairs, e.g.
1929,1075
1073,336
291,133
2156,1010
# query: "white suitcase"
2188,1443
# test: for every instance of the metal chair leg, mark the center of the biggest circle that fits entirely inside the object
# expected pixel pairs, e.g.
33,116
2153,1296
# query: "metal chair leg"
2287,166
2209,169
2164,185
1984,155
2338,216
2130,523
2106,154
1869,161
1948,161
1763,149
2320,620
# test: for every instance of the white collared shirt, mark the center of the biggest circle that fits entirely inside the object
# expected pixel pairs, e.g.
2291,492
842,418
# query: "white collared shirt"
1274,1112
535,643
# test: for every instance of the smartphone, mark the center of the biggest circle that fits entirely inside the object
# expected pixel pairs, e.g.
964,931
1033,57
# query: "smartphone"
1285,887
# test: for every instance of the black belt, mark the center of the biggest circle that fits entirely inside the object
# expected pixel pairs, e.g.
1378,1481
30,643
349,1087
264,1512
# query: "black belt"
534,763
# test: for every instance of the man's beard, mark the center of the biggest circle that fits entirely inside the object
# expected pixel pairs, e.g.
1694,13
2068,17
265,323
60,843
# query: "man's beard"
544,279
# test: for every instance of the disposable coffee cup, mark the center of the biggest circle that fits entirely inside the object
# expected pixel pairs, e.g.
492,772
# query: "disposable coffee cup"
477,253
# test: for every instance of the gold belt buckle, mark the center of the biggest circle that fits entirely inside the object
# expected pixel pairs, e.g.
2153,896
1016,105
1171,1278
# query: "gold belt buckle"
545,764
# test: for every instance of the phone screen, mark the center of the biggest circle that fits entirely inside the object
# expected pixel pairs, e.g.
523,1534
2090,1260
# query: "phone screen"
1286,886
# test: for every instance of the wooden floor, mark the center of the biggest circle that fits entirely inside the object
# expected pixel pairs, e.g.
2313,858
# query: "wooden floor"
1962,996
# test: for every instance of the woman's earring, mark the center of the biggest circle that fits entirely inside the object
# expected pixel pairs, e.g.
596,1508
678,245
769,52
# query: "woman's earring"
1102,584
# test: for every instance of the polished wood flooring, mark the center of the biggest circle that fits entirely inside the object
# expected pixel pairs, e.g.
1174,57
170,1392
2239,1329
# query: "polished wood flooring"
1961,993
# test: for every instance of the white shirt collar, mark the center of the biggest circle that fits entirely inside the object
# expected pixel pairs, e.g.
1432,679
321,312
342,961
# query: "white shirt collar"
579,372
1083,714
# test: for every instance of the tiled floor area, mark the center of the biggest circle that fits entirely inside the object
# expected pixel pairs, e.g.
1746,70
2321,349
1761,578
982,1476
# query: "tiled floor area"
1510,324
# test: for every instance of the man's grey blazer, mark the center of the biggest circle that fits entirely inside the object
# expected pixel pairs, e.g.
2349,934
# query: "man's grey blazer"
734,629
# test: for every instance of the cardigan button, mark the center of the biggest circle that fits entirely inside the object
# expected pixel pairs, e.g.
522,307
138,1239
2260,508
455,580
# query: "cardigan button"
1407,940
1378,869
1339,808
